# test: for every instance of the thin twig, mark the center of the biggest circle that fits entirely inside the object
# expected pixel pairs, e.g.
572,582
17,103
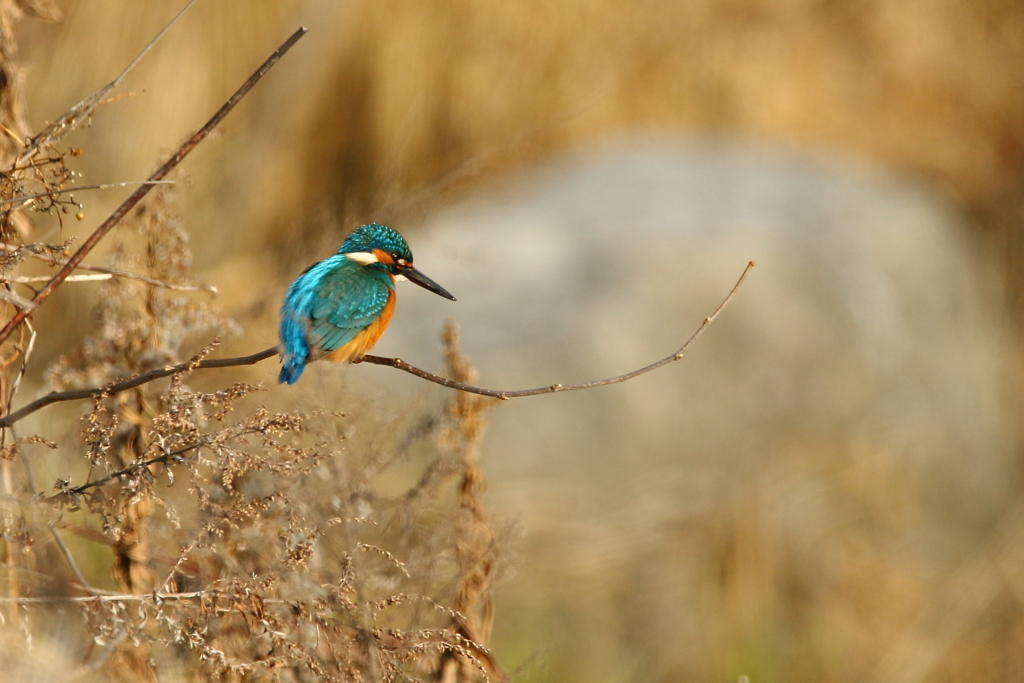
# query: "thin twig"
69,558
96,662
136,196
27,280
139,380
15,300
103,186
77,394
155,597
125,471
30,249
25,353
128,275
506,395
111,272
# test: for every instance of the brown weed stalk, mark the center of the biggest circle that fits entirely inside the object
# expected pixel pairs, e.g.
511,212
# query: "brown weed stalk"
476,542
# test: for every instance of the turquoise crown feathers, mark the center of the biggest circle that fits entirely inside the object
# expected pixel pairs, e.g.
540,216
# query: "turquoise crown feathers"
376,236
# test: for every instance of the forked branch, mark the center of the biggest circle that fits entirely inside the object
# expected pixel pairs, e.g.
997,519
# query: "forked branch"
397,363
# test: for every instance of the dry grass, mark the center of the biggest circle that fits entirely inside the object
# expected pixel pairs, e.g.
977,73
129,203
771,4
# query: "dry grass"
293,541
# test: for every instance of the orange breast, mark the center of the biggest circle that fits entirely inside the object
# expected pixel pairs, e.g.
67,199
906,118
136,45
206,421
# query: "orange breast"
364,341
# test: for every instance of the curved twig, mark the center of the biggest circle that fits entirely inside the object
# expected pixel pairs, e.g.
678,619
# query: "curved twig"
506,395
160,173
396,363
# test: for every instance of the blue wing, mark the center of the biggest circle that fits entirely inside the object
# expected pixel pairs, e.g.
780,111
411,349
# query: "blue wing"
325,308
349,298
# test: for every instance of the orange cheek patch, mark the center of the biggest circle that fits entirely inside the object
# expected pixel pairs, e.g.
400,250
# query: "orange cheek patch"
383,257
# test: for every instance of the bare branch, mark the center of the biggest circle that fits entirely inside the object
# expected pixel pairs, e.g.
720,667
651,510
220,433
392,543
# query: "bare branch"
139,380
397,363
136,196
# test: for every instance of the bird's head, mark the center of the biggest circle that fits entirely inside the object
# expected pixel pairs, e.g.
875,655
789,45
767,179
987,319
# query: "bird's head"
378,246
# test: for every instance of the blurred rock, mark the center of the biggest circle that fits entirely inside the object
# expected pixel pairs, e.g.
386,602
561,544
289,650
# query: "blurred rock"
870,315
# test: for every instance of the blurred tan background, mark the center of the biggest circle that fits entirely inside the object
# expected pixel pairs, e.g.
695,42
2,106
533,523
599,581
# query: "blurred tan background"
389,107
738,540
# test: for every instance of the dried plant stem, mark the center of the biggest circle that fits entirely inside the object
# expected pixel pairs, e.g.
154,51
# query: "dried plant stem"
104,270
476,548
15,300
78,394
101,273
11,515
67,190
69,558
155,598
27,280
142,191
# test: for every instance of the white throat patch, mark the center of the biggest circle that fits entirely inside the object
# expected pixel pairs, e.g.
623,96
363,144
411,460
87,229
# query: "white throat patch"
363,257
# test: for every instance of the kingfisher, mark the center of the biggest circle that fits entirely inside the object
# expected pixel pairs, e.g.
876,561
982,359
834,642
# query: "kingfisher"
338,308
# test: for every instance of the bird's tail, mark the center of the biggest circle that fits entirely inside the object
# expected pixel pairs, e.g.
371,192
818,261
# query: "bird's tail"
291,371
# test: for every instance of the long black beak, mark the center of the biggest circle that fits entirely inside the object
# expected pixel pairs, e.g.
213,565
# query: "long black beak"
425,282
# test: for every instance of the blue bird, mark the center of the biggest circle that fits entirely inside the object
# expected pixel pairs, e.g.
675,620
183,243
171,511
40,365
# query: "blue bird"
338,308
